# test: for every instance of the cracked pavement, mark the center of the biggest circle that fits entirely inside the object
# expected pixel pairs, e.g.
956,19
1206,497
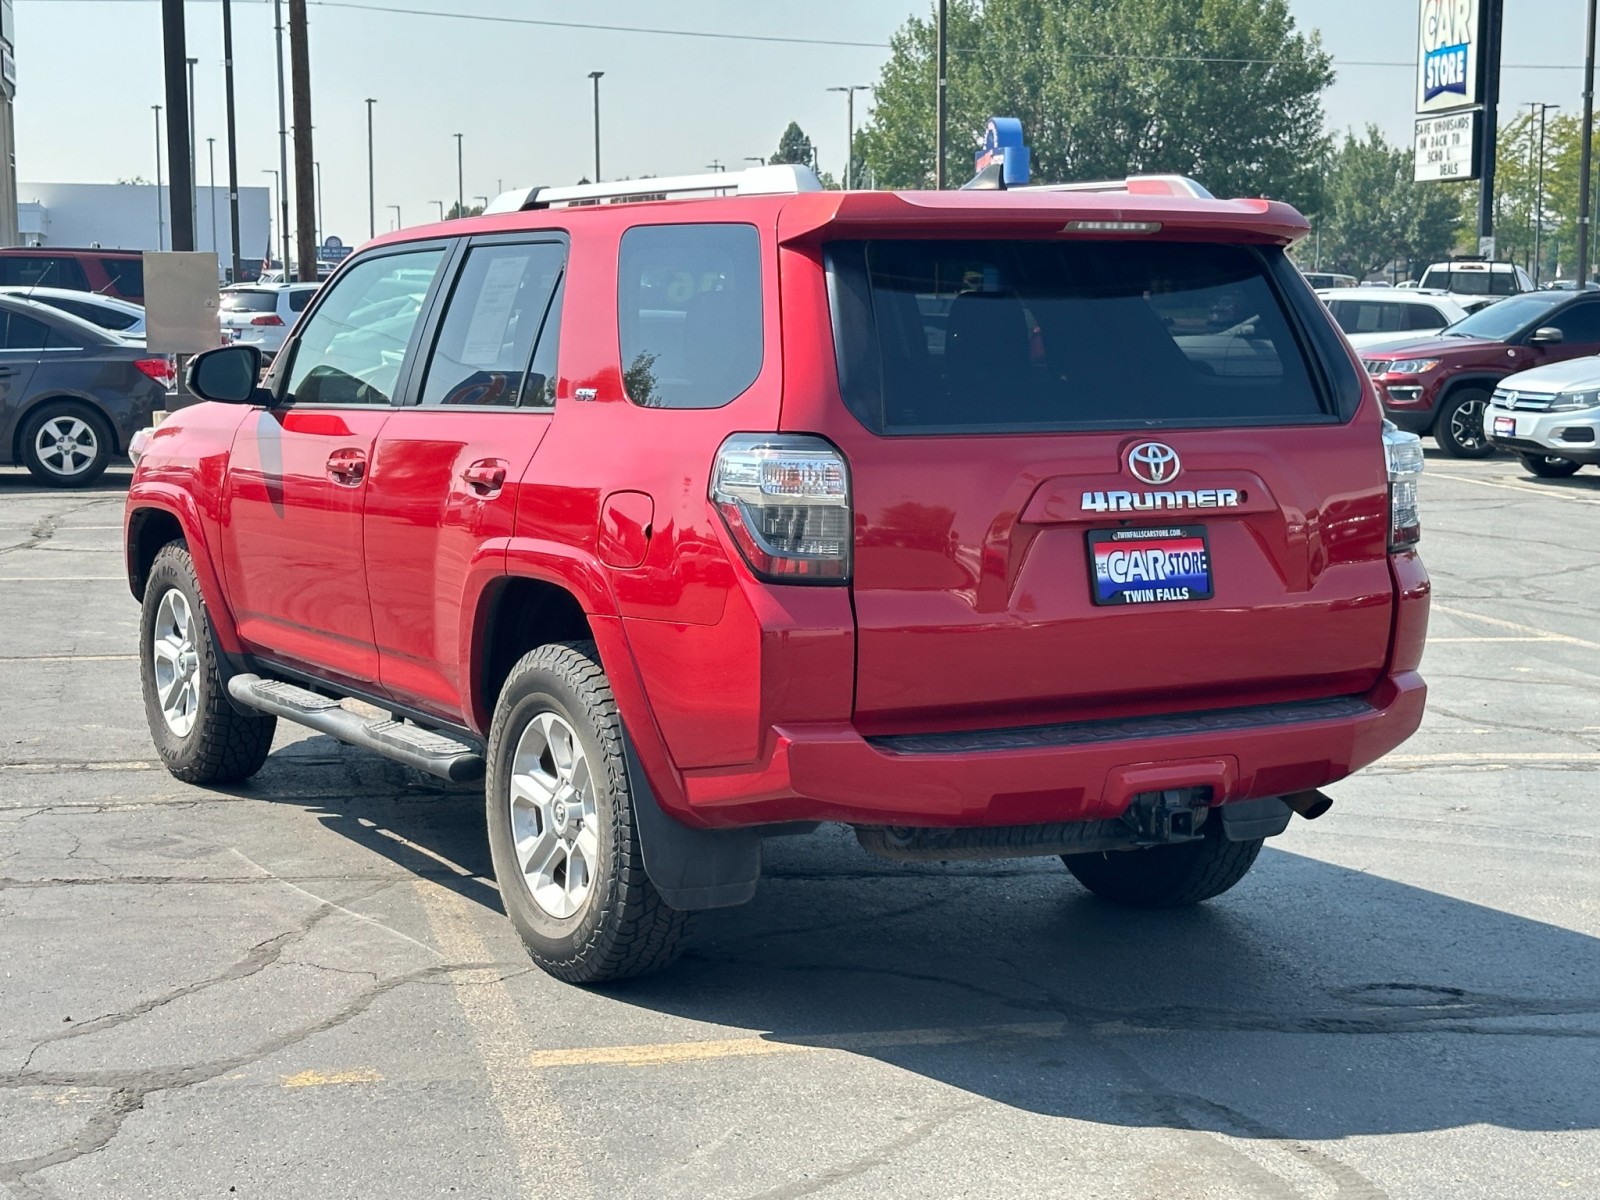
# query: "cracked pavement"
304,986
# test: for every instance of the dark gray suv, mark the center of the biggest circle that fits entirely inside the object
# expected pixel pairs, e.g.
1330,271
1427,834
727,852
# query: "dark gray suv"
71,394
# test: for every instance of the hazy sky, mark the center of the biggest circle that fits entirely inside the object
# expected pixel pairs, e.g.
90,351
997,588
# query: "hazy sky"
89,70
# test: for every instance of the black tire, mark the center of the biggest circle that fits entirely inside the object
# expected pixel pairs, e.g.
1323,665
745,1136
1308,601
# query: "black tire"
622,927
223,745
1459,426
1548,466
64,470
1167,876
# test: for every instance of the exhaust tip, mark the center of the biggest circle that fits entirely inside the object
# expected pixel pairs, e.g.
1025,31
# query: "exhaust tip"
1310,805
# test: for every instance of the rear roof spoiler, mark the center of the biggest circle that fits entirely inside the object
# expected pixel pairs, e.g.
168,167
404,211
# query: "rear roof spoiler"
992,179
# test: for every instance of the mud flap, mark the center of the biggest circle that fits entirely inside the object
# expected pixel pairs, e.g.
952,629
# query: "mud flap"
691,868
1247,820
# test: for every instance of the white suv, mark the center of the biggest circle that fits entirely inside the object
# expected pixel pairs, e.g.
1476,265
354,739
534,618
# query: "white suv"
261,315
1374,317
1475,283
1549,417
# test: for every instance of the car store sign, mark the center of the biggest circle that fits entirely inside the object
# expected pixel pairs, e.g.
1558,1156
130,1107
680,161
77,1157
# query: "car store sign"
1449,65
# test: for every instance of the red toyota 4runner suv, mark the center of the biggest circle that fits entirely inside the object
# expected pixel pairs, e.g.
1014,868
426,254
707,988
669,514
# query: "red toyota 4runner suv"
989,523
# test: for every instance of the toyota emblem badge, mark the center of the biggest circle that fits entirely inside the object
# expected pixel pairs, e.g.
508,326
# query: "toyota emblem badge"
1154,463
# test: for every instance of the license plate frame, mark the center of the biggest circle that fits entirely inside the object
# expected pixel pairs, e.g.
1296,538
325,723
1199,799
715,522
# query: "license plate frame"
1126,581
1505,427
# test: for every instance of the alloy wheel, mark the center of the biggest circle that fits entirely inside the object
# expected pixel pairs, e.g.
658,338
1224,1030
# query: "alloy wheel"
176,659
1466,424
554,827
67,445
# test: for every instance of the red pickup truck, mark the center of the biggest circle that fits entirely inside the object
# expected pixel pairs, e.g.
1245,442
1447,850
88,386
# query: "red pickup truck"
989,523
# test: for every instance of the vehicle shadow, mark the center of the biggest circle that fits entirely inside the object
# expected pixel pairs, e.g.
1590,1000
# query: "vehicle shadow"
16,480
1311,1002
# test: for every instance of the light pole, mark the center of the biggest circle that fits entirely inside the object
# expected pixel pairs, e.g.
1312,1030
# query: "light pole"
211,156
372,191
440,203
235,265
850,91
1586,155
317,166
758,159
275,192
485,200
194,187
939,120
396,208
283,143
1538,204
161,217
461,181
716,166
596,76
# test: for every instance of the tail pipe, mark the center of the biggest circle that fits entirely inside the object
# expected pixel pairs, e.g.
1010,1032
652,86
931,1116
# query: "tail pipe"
1310,805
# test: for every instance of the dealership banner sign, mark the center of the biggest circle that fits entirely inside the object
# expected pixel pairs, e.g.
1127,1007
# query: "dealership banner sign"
1449,58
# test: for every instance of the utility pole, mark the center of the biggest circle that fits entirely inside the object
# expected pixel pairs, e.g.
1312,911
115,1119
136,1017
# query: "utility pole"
211,193
180,197
236,267
1538,204
372,188
321,228
850,129
595,75
461,181
440,203
1494,24
161,209
1586,155
194,149
396,208
305,183
939,106
283,143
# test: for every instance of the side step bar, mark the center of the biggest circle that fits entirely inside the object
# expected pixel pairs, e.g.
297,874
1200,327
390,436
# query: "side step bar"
437,754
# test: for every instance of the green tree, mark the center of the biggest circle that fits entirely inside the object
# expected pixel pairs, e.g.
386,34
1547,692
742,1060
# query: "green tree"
793,147
1372,213
472,210
1225,90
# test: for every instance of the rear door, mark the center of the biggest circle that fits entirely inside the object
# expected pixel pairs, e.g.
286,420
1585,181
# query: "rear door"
292,543
1101,478
441,498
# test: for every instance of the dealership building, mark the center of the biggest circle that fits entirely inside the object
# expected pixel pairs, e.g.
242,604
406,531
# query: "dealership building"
133,216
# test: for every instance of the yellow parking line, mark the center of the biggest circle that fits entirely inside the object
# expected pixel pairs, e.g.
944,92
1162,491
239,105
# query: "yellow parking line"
1552,493
1548,635
20,658
1435,641
320,1079
1553,757
667,1053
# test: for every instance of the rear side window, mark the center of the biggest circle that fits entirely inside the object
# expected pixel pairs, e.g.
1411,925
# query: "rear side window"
126,275
256,302
299,298
995,335
24,333
1425,316
96,314
689,313
43,270
498,315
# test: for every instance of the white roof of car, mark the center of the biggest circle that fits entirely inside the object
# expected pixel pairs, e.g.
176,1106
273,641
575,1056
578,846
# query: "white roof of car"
1388,295
55,293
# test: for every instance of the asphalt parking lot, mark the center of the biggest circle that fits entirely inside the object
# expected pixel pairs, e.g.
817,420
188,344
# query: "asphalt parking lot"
304,987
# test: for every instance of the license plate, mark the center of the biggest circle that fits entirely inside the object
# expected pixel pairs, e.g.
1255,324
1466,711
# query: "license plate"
1150,566
1505,426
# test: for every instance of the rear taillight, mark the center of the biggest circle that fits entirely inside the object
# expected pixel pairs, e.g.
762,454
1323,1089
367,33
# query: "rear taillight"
268,319
786,501
159,369
1403,454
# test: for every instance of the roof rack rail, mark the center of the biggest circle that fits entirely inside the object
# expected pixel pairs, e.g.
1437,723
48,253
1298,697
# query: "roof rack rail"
1136,185
784,179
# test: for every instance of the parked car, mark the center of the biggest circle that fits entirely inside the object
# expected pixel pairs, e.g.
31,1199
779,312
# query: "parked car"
679,522
1380,316
1441,386
261,315
1476,283
118,273
72,395
1549,417
120,317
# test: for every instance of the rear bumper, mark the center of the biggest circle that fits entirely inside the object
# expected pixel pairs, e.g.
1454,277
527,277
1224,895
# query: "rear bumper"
1088,771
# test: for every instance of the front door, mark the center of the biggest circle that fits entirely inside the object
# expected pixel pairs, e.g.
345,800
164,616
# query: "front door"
441,495
22,341
297,479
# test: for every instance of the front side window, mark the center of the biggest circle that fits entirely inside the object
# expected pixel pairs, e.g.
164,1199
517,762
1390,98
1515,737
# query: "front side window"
351,347
1579,324
496,344
1053,335
689,313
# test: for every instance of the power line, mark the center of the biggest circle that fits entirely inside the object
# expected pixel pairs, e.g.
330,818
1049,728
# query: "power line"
791,40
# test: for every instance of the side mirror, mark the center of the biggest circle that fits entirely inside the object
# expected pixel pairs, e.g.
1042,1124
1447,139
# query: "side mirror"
228,375
1546,335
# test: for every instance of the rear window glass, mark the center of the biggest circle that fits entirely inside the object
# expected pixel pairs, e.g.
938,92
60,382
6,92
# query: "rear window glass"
993,335
43,270
689,313
1468,281
250,302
